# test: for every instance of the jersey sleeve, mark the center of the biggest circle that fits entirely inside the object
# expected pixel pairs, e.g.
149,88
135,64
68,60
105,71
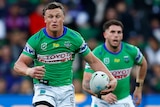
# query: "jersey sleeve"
96,52
83,49
81,46
136,54
30,47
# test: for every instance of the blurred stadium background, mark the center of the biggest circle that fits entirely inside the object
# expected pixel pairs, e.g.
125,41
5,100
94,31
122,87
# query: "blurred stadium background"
19,19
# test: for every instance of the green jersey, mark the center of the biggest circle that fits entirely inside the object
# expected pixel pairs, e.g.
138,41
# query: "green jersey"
119,64
56,54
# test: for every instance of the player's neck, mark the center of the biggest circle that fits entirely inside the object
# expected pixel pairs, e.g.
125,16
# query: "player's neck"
55,34
113,49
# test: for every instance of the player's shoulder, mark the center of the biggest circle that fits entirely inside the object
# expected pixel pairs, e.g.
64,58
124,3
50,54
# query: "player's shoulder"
72,32
99,49
129,48
38,35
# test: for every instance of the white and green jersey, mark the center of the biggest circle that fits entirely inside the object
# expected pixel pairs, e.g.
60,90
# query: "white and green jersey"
56,54
119,64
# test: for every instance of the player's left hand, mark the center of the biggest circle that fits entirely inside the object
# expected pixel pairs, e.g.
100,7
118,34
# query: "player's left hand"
111,86
110,98
137,95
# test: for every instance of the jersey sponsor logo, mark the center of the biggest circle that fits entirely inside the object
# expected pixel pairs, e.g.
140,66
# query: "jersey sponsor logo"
29,49
116,60
83,48
44,46
121,73
55,45
126,59
55,58
72,101
67,44
42,91
106,60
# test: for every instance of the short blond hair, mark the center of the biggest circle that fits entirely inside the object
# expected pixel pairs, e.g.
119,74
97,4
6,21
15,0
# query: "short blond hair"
53,5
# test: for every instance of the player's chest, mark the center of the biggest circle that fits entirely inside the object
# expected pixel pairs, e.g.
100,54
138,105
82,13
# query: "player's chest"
55,46
117,61
119,65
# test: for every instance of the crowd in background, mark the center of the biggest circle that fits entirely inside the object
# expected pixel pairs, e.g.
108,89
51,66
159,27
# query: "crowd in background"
20,19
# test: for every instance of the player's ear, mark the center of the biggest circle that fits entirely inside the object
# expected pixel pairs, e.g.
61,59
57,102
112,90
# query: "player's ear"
45,19
104,34
63,19
122,36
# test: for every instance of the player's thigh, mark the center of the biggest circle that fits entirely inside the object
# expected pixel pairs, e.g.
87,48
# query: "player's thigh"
127,102
43,95
68,99
96,102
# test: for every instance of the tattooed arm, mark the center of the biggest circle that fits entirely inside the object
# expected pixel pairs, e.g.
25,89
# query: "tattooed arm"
110,97
85,83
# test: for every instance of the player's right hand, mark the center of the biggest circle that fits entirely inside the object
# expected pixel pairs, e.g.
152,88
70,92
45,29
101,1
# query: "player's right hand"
111,86
36,72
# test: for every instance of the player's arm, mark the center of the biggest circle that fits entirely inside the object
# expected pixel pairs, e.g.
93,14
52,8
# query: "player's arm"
141,74
110,97
85,83
22,67
97,65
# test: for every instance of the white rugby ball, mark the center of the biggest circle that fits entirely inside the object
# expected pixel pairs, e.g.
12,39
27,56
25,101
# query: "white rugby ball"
99,81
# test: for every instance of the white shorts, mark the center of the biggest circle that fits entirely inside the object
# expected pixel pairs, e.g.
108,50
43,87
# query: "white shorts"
62,96
125,102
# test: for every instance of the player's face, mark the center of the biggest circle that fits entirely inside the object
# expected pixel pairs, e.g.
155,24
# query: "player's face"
113,35
54,19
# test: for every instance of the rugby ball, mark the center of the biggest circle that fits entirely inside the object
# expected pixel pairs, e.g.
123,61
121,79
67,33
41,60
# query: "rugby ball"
99,81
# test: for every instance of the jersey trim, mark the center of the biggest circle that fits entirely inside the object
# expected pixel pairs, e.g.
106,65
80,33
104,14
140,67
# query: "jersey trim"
112,52
64,32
